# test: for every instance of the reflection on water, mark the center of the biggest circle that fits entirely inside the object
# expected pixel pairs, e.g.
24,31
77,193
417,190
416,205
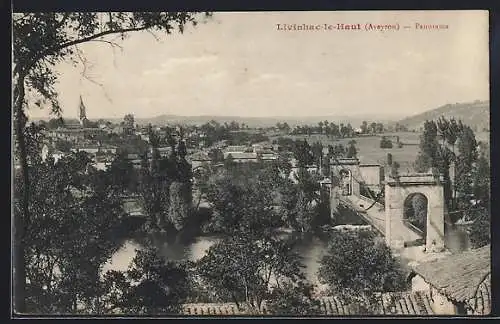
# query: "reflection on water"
311,249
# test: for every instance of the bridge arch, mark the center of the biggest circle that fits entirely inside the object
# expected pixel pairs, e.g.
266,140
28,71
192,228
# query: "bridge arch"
399,194
415,210
346,182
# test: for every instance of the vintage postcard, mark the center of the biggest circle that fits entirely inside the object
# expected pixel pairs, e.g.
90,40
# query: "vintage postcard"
298,164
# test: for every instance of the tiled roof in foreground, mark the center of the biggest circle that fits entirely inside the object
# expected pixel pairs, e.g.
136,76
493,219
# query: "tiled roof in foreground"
458,276
400,303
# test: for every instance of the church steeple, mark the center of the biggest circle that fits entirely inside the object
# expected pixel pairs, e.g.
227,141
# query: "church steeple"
82,114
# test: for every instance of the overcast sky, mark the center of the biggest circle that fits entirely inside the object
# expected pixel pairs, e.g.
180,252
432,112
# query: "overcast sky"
240,64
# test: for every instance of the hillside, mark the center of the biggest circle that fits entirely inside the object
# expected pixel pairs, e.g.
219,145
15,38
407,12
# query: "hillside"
263,121
475,114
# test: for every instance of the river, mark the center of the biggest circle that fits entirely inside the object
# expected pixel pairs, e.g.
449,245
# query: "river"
311,250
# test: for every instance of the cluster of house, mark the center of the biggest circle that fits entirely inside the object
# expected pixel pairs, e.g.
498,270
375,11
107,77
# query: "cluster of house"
237,153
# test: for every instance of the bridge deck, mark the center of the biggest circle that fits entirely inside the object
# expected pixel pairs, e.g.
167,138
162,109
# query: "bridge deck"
374,216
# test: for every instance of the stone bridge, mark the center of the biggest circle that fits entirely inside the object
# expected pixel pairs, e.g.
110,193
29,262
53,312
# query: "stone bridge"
389,219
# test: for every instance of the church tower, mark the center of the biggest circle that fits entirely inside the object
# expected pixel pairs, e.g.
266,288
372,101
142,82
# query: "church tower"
82,113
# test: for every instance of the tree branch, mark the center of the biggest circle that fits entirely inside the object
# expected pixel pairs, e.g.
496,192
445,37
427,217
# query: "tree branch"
85,76
50,51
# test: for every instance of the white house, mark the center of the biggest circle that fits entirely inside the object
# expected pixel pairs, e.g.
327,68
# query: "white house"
241,156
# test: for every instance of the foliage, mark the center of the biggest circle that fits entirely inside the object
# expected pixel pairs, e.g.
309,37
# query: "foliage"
123,175
472,176
351,150
416,211
156,179
242,197
385,143
180,204
389,159
151,285
303,153
245,267
245,138
358,265
55,123
395,169
63,146
72,232
293,299
480,230
42,40
480,211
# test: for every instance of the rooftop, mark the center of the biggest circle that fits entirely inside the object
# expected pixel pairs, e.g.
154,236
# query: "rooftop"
458,275
396,303
240,155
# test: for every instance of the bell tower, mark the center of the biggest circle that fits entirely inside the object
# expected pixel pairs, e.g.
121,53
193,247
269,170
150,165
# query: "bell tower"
82,112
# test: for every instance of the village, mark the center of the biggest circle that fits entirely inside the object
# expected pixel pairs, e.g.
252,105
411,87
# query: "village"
466,290
236,164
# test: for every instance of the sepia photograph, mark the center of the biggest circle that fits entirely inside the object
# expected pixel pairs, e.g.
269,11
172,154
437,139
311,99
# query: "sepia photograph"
242,164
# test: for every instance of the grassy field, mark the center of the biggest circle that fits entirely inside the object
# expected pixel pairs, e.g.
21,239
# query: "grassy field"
369,150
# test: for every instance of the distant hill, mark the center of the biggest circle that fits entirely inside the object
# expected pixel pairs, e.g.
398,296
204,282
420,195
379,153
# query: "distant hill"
474,114
263,121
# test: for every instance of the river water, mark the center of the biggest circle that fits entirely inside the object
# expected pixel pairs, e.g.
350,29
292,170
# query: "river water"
311,250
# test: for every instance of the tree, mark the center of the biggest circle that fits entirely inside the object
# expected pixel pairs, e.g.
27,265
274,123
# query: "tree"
63,146
480,211
55,123
293,299
128,123
480,230
73,231
358,265
395,169
464,166
245,267
151,285
351,150
216,155
436,157
40,41
389,159
364,127
385,143
242,198
302,153
180,205
317,153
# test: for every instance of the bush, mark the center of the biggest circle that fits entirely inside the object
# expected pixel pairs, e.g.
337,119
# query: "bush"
385,143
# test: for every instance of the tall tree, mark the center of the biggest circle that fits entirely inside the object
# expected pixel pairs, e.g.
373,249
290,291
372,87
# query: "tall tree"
364,127
180,205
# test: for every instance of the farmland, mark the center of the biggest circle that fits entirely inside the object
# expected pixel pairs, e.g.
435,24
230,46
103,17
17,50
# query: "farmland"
369,150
